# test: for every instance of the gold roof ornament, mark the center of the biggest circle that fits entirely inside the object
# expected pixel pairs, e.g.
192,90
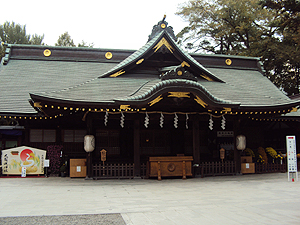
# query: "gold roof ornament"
200,102
179,72
179,94
206,77
117,73
294,109
108,55
184,63
139,61
228,62
163,25
124,107
37,105
47,52
164,42
156,100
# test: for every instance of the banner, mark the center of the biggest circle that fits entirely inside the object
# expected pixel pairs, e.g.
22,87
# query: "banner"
14,159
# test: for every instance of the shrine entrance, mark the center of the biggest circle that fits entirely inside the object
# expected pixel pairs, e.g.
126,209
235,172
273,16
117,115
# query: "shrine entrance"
177,141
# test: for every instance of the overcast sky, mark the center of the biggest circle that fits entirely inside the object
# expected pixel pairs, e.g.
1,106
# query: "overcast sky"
106,23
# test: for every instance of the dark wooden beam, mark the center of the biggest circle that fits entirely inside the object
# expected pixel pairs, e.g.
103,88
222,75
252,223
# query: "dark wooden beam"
136,146
237,153
196,140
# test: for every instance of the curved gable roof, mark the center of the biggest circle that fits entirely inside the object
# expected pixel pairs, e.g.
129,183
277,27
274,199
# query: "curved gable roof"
161,39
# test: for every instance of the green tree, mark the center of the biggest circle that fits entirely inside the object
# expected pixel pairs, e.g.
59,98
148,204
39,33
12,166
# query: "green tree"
65,40
246,28
284,69
225,26
12,33
84,44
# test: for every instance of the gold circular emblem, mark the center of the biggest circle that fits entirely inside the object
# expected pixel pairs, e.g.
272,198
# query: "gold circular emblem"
179,72
228,62
163,26
108,55
140,61
47,52
171,167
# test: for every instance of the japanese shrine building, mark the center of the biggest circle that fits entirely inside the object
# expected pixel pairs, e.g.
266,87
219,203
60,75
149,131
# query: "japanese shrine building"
156,101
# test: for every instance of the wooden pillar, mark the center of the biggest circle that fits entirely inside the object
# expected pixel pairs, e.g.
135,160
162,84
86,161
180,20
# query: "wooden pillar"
196,140
26,140
136,148
237,153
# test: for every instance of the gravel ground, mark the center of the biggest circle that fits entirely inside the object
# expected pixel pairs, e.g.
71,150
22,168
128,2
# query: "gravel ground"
114,219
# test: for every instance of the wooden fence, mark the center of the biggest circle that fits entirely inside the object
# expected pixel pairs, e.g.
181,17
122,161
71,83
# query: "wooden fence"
116,170
273,167
216,168
204,169
270,168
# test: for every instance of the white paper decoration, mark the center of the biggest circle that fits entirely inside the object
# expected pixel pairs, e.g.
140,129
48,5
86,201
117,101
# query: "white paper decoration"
122,120
106,118
176,121
186,121
161,120
211,123
223,122
146,123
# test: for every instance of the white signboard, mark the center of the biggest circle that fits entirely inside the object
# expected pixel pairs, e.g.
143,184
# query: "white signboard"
291,155
14,159
23,174
47,163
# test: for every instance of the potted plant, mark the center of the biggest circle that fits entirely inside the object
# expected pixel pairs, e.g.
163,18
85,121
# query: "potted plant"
63,170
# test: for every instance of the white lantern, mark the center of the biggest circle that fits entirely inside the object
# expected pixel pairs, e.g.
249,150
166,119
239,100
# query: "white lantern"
89,143
240,142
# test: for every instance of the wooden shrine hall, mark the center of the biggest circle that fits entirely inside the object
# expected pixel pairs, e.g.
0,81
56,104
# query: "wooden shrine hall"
146,106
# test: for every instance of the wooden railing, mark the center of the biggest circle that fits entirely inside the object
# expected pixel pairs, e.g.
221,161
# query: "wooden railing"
116,170
126,170
270,168
215,168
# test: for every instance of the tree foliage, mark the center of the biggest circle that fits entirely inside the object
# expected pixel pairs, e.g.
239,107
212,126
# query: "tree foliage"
248,28
225,26
285,70
12,33
84,44
66,40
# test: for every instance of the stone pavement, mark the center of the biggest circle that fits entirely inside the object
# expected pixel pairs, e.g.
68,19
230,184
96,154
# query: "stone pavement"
242,199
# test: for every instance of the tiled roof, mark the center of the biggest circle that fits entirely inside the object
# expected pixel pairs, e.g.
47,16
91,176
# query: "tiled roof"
249,88
21,77
82,76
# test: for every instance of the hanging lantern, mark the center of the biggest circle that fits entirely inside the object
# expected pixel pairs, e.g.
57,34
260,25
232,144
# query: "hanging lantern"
122,120
106,118
241,142
161,120
89,143
176,121
222,154
146,123
211,123
186,121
